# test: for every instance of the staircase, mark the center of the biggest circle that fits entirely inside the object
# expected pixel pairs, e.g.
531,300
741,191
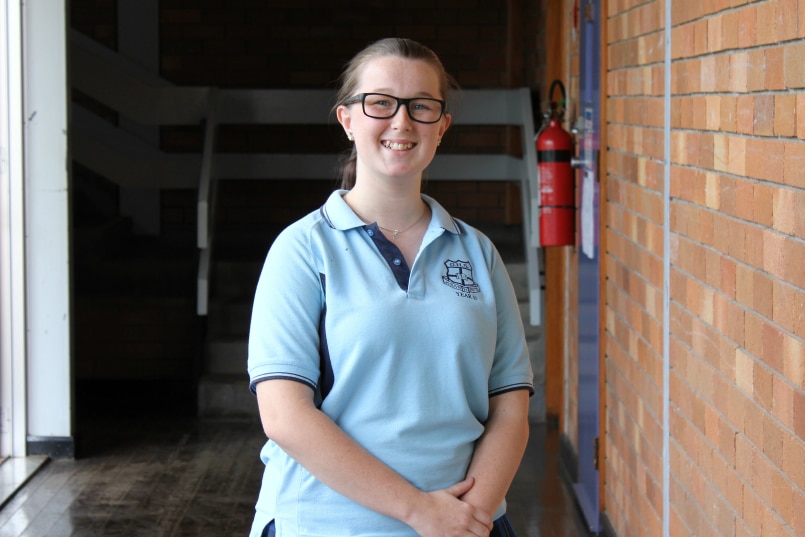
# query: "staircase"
223,389
225,283
224,383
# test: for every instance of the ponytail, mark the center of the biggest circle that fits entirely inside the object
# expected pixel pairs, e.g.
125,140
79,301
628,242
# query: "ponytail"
349,165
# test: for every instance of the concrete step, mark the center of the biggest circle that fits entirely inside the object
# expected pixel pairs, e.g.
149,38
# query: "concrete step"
226,396
235,279
226,356
228,318
223,389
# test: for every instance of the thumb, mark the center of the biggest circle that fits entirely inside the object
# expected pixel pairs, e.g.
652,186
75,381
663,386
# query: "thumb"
461,488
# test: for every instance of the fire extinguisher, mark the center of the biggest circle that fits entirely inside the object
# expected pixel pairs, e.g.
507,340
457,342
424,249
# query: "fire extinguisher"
557,199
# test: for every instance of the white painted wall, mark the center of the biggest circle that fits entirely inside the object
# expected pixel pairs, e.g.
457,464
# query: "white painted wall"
47,165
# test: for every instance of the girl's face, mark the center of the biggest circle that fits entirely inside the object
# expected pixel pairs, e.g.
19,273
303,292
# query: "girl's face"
397,147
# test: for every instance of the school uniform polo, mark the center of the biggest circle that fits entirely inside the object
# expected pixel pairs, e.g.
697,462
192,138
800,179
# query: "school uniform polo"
404,359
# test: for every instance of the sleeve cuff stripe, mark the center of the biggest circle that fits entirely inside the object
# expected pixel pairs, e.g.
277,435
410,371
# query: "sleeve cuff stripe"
282,376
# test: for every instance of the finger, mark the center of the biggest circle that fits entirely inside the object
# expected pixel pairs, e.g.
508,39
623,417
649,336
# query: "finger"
461,488
480,529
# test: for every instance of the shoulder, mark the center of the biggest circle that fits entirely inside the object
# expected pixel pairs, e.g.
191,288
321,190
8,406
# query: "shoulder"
473,238
302,236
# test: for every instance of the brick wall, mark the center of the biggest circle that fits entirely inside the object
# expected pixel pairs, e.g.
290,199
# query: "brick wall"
737,289
303,44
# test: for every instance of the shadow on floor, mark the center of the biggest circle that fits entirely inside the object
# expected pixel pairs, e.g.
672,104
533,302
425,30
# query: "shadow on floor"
167,474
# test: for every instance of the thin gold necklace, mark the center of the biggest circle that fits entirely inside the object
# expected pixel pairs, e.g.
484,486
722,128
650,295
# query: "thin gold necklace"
395,232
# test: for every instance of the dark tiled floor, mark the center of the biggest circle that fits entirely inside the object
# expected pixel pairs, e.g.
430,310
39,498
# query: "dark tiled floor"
173,476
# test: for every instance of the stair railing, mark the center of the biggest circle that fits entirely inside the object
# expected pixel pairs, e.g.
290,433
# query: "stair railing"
205,213
116,83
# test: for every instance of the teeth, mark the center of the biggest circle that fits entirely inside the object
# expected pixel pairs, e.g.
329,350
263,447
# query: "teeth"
398,147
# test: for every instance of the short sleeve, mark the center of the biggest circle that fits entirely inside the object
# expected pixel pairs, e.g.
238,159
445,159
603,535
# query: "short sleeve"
283,333
511,369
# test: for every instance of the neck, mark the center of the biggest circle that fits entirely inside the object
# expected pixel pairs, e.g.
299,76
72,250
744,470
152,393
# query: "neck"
390,213
392,206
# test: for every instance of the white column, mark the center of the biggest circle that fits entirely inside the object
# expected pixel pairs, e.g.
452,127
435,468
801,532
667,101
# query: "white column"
13,406
47,164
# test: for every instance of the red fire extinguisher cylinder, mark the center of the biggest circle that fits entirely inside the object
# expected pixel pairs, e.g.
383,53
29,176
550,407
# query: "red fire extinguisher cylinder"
556,186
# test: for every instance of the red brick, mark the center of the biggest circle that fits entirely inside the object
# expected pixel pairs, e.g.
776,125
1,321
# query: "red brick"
801,32
794,65
752,338
747,27
763,387
786,20
785,115
746,121
772,340
766,23
764,118
714,33
793,173
793,455
744,372
775,68
793,262
739,74
799,414
783,401
729,113
765,159
798,507
763,297
752,510
789,211
794,367
763,204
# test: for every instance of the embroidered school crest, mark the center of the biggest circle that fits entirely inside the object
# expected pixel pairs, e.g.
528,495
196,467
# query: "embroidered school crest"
459,276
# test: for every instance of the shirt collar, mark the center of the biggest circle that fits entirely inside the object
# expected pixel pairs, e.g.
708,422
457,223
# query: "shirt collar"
340,216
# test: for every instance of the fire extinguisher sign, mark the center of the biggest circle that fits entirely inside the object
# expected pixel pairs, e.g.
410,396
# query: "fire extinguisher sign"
588,214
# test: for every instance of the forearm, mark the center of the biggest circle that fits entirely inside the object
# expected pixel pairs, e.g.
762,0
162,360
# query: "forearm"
499,451
313,440
331,455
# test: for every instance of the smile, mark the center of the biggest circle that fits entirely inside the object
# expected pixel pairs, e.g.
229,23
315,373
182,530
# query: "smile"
397,146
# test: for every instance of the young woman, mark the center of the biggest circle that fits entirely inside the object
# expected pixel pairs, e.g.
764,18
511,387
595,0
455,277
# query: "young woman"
386,348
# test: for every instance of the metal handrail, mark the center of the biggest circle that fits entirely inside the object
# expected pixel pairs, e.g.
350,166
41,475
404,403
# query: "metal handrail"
205,212
120,85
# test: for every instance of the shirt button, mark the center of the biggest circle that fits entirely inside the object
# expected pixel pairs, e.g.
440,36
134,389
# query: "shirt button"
370,232
396,261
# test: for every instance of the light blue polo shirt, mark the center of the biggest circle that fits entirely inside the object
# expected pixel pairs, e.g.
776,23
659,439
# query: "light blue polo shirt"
403,360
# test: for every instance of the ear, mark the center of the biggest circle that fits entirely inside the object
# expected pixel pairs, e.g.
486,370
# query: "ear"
445,124
342,114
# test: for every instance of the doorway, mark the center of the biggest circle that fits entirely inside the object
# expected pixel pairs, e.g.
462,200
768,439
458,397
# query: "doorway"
589,269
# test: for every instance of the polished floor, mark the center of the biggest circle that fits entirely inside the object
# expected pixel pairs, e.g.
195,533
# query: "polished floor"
174,476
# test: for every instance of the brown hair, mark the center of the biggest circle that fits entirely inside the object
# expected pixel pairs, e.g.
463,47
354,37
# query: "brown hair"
392,46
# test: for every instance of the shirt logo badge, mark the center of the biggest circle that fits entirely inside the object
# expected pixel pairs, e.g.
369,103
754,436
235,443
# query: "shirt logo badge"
458,275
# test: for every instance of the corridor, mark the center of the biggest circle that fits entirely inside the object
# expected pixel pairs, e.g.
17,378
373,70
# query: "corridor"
147,476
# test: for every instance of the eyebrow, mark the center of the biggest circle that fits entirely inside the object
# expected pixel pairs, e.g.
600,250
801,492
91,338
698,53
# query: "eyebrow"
388,92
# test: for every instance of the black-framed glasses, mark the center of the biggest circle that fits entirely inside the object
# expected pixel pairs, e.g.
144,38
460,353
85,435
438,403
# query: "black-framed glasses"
382,106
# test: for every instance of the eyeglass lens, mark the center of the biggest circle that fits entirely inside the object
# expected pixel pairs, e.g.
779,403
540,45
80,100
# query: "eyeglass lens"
381,106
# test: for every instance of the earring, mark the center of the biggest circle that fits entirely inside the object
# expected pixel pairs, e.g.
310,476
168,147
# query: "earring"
350,137
439,142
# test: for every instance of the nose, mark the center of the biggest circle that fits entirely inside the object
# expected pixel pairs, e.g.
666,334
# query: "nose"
401,117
